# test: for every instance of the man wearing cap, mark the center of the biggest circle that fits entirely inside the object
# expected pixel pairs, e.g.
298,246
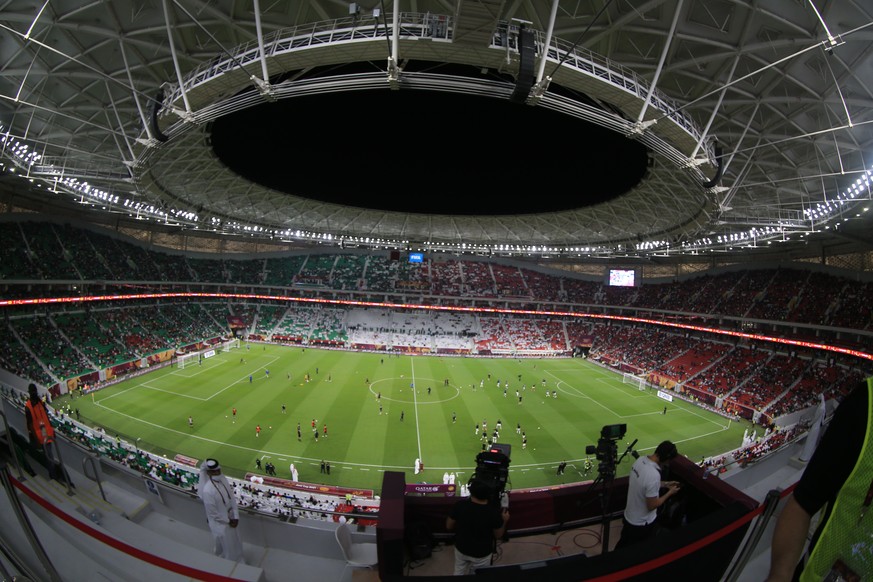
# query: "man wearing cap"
221,511
644,494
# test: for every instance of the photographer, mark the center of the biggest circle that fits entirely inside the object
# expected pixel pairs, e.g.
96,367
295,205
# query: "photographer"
643,495
477,523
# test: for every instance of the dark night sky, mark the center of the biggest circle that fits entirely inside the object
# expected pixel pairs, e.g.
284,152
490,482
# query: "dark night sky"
428,152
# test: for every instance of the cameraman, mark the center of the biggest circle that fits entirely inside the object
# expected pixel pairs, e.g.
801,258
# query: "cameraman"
643,495
477,523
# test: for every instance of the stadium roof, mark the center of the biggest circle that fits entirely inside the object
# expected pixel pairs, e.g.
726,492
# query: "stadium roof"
730,127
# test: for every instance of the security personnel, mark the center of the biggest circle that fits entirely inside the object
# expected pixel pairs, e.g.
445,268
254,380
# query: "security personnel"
838,477
39,427
41,431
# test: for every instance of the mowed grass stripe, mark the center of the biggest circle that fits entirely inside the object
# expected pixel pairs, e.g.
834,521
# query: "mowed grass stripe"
361,443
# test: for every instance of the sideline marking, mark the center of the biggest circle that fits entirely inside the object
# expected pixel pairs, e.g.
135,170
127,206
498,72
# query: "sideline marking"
415,406
381,468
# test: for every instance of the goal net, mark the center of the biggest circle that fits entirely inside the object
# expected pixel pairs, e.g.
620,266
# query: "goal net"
188,360
227,346
627,378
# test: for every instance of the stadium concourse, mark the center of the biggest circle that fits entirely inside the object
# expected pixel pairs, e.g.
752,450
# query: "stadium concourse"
675,193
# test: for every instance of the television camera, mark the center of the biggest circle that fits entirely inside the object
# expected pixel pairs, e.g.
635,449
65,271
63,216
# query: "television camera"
606,450
492,470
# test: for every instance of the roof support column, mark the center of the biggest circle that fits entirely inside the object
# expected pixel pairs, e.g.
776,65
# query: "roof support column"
176,62
664,52
121,126
27,131
832,41
730,159
36,19
142,116
26,75
395,32
715,109
263,85
547,42
260,31
394,57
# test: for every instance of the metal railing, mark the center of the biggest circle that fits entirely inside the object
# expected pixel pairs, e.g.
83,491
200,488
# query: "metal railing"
89,460
12,451
434,27
25,524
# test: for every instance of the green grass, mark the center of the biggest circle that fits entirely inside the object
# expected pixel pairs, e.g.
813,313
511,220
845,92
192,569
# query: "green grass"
361,443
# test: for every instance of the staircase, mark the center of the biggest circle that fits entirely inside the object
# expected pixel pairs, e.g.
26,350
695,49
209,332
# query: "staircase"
36,358
130,527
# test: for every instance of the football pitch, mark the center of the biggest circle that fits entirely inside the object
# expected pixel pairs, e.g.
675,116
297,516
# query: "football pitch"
383,412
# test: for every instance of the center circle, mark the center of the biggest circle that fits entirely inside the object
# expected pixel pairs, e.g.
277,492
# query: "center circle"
436,386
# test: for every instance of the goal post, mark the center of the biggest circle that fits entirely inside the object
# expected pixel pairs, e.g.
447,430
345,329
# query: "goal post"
627,378
188,360
232,344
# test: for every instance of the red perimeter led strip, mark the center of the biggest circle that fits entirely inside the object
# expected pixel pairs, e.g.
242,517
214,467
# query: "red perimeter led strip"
575,314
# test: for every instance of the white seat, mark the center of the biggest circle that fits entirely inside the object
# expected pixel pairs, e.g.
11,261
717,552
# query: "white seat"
357,554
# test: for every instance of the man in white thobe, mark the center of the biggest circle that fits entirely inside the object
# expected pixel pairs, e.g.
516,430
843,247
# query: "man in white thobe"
222,513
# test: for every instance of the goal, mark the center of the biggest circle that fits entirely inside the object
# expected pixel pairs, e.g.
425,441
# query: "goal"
226,347
627,378
188,360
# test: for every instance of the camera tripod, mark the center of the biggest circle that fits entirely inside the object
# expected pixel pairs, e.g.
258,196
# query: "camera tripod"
605,477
